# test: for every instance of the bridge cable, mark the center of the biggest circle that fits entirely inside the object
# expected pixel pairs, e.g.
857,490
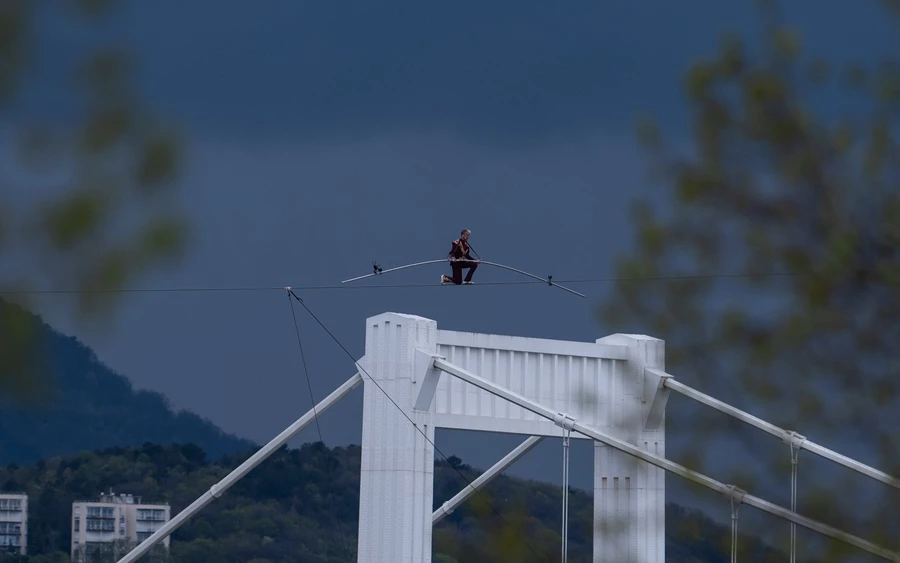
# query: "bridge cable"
201,289
312,400
424,435
735,506
795,451
565,496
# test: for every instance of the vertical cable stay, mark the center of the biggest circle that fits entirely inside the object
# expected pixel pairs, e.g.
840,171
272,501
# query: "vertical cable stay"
469,484
795,452
337,516
736,496
565,499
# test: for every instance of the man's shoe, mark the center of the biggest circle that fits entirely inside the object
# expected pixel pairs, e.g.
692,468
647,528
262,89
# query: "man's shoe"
467,283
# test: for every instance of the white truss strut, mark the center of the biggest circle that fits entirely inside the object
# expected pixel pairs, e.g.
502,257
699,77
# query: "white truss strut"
731,491
485,478
219,488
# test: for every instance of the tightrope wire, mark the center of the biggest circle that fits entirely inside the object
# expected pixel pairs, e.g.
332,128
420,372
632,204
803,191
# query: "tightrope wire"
201,289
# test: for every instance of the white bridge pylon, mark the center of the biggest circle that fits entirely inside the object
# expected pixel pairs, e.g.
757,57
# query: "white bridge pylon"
612,391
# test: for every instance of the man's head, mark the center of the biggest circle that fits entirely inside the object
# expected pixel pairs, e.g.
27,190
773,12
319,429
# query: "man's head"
464,234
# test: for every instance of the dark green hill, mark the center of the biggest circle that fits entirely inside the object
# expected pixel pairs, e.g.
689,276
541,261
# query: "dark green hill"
300,506
89,406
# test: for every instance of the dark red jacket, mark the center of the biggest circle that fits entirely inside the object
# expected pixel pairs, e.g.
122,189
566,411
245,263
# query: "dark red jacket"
460,249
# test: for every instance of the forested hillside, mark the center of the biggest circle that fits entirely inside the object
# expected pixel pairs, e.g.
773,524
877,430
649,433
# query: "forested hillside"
300,506
85,405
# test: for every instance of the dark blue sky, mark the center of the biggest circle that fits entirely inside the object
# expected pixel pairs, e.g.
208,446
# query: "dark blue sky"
322,136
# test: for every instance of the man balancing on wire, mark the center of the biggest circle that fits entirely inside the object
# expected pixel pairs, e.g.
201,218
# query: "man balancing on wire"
459,259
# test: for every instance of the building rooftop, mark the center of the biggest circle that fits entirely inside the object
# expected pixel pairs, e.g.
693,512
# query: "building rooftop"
112,498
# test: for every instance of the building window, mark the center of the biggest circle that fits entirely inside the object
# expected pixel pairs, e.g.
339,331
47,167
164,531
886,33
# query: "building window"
10,504
77,523
100,525
151,514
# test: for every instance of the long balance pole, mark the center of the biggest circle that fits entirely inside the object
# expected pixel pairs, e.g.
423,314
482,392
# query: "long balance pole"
661,462
216,490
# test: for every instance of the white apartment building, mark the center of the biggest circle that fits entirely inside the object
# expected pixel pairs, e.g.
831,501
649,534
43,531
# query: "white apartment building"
14,523
116,522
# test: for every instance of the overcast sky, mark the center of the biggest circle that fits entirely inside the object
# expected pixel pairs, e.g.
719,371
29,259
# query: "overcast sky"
323,136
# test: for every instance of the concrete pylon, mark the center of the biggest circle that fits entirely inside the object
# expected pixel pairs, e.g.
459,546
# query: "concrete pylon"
629,494
397,471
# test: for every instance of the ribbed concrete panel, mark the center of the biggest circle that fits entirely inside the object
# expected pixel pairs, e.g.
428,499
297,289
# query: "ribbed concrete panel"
397,472
585,380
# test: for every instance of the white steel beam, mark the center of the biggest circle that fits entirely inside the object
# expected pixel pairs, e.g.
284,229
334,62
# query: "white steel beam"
219,488
786,435
568,422
485,478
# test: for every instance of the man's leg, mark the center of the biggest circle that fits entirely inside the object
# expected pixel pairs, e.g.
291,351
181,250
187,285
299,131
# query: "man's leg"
457,272
472,266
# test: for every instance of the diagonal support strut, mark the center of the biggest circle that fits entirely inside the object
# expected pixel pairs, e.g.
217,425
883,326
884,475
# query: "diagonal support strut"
485,478
219,488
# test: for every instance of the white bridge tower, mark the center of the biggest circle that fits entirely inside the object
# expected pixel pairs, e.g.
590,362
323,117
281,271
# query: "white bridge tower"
602,384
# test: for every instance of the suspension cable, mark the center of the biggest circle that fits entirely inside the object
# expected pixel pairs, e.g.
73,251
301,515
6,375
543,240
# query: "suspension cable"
795,441
204,289
337,516
565,499
736,497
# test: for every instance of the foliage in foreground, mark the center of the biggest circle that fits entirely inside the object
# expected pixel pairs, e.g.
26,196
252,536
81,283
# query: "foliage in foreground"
90,196
776,227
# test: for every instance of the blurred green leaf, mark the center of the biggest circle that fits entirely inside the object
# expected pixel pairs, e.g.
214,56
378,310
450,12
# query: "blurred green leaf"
14,20
105,74
75,217
22,374
164,238
102,227
158,162
105,128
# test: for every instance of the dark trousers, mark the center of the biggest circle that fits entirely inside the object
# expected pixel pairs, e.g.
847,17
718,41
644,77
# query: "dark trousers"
458,268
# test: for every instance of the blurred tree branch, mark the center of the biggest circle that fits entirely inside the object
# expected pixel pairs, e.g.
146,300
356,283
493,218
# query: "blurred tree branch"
779,177
108,214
